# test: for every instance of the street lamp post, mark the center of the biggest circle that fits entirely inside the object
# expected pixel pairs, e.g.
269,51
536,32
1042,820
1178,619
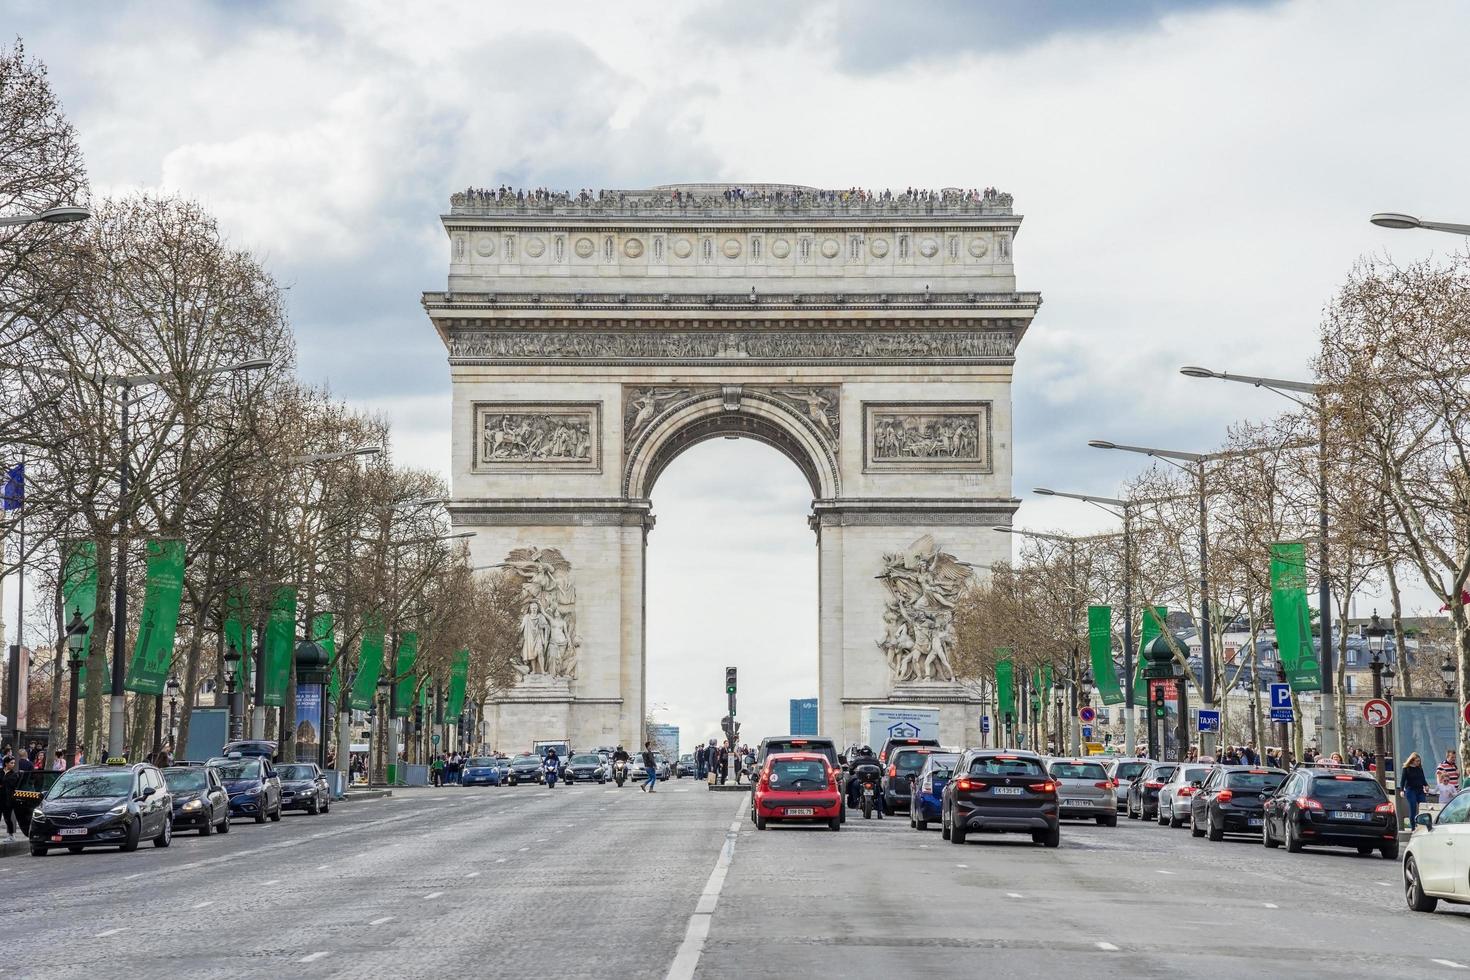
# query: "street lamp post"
1448,674
1376,631
1392,219
65,214
173,707
232,665
76,648
1331,737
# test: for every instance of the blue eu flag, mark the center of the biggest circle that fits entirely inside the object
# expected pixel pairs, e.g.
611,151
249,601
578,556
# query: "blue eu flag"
14,493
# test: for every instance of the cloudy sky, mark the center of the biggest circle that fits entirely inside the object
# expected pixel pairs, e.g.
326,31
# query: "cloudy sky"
1196,177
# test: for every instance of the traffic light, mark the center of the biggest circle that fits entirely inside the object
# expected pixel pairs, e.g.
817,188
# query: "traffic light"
1160,709
729,680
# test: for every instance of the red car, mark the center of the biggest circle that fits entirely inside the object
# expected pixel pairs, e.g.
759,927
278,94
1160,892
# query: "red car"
797,787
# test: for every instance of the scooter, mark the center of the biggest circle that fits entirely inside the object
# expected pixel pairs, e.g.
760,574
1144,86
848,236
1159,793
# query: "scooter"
620,772
551,767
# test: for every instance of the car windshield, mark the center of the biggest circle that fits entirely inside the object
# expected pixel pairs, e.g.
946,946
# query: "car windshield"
526,760
1078,770
478,763
586,760
1129,770
798,774
295,772
185,780
244,769
908,762
999,765
1343,787
84,784
1255,782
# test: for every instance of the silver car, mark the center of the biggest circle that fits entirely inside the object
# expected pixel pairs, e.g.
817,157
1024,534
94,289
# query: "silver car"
1125,769
1084,791
1180,786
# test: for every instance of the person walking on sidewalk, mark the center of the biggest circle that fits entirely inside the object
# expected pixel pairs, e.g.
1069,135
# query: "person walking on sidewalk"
1415,785
438,768
1447,777
651,768
9,780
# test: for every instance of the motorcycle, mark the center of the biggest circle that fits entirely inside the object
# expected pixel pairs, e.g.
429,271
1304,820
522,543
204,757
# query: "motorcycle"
551,767
620,772
870,792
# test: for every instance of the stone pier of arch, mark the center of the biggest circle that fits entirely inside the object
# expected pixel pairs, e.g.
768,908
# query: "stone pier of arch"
592,341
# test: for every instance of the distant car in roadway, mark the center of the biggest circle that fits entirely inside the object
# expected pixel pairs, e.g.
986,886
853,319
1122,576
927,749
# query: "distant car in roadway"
525,769
1435,869
928,797
662,767
199,799
254,788
1123,770
1231,799
1173,807
797,787
304,787
1334,808
1085,791
904,763
587,767
1000,790
1142,799
480,770
91,806
685,766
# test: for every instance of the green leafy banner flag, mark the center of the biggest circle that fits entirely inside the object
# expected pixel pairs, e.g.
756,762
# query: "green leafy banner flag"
322,633
1154,618
163,587
238,633
458,674
1289,610
1100,649
79,590
408,652
280,636
369,663
1005,687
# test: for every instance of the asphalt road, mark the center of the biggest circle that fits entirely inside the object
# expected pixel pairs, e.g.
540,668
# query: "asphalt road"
589,881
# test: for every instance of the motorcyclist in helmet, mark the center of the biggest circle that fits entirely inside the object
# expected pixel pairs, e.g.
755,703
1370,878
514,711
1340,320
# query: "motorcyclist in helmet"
620,755
865,765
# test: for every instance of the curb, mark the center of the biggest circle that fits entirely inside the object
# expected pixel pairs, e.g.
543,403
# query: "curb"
366,794
14,847
729,788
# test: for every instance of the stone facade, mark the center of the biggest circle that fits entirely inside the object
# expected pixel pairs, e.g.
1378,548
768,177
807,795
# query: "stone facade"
593,338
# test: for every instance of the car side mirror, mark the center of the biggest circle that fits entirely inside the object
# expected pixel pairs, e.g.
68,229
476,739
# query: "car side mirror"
1424,820
147,792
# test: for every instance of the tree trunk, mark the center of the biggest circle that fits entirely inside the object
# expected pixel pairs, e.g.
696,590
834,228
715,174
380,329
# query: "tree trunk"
58,676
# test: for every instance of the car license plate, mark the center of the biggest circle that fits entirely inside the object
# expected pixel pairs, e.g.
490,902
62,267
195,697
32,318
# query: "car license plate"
1008,791
74,831
1254,821
798,811
1076,803
1348,815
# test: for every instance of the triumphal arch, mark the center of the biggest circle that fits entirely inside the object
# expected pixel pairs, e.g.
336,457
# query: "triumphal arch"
868,336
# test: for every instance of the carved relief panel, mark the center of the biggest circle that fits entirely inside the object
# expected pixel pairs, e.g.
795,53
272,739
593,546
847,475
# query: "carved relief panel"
511,437
926,437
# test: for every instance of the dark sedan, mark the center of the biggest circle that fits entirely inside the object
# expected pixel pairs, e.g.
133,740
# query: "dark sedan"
1230,800
1143,794
586,768
1000,790
254,788
304,787
1338,809
525,769
200,800
116,805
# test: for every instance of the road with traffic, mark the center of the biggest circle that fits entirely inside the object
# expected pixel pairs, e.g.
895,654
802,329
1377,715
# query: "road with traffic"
593,881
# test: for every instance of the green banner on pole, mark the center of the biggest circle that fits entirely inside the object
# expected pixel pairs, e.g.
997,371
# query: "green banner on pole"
458,674
1005,687
408,652
1100,651
1154,618
239,634
280,645
79,591
369,663
323,626
1293,622
163,588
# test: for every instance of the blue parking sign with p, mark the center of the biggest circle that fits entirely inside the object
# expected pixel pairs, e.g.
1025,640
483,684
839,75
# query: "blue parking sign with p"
1281,703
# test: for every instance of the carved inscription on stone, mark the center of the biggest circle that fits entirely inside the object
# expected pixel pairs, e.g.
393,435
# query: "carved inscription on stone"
927,436
721,345
521,435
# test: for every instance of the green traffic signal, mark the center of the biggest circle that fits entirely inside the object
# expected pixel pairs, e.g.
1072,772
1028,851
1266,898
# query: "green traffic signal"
729,680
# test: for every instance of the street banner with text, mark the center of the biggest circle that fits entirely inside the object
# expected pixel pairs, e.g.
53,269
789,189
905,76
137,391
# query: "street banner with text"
408,652
458,674
1100,650
369,663
1005,687
163,588
280,646
1289,611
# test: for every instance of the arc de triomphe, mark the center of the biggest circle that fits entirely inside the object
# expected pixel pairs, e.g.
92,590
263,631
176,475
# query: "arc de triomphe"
594,337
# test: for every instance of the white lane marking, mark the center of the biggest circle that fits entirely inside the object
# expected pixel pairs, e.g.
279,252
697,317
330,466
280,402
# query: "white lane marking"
1385,884
201,905
1270,906
473,874
323,867
1013,894
108,932
131,877
542,840
1107,947
433,895
923,845
686,960
273,881
500,860
313,957
523,849
362,855
962,866
1451,964
378,922
1163,872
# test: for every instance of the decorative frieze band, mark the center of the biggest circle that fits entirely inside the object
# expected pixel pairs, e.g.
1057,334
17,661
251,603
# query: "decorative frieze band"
644,346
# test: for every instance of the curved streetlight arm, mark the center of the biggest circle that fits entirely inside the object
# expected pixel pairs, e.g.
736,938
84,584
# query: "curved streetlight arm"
1170,456
1280,386
52,216
1395,220
1103,503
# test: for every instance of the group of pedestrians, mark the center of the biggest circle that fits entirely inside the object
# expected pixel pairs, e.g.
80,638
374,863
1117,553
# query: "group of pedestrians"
721,761
1416,785
447,768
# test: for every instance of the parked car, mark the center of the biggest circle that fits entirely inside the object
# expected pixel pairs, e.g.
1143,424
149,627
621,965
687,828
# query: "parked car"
260,747
525,769
797,787
480,770
1142,801
586,767
927,799
304,787
1173,807
1123,770
1000,790
254,788
199,799
110,805
1333,808
1230,800
1435,868
1085,790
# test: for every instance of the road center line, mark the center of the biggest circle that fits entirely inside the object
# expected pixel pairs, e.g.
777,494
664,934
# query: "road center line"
433,895
500,860
473,874
201,905
1451,964
378,922
1163,872
686,961
108,932
313,957
1270,906
1013,894
1107,947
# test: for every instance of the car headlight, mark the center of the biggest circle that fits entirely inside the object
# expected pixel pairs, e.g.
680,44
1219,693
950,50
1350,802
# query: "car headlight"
118,810
194,805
